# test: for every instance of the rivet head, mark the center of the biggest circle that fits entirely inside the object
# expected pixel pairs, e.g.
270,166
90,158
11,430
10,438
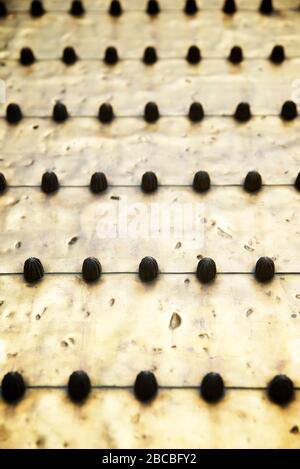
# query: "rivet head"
196,113
289,111
79,386
37,8
153,8
33,270
69,56
297,182
193,55
264,269
149,182
98,183
60,112
266,7
242,112
212,387
3,183
150,56
253,181
115,8
191,7
277,55
3,10
12,387
111,55
151,112
206,270
49,182
26,56
77,8
229,7
13,113
201,182
106,113
236,55
281,390
91,269
148,269
145,386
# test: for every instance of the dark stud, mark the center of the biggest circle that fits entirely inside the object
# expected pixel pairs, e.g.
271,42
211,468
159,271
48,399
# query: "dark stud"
12,387
33,270
69,56
153,8
145,386
60,112
252,182
149,182
264,269
297,182
111,56
77,8
193,55
26,56
190,7
98,183
106,113
3,183
115,8
91,269
201,182
37,8
242,112
79,386
196,112
212,387
150,56
236,55
49,182
266,7
277,55
206,270
3,10
151,112
148,269
289,111
229,7
13,113
281,390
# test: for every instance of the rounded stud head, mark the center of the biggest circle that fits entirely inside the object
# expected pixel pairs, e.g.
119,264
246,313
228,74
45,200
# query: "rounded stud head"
33,270
193,55
148,269
277,55
79,386
37,8
106,113
77,8
190,7
3,10
111,56
69,56
13,113
252,182
201,182
229,7
196,112
12,387
149,182
242,112
150,56
26,56
3,183
145,386
264,269
153,8
206,270
266,7
297,182
236,55
60,112
212,387
49,182
289,111
115,8
281,390
151,113
91,269
98,183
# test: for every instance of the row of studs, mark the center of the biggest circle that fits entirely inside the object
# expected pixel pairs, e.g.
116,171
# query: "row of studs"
150,57
106,113
280,389
149,182
152,8
148,271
